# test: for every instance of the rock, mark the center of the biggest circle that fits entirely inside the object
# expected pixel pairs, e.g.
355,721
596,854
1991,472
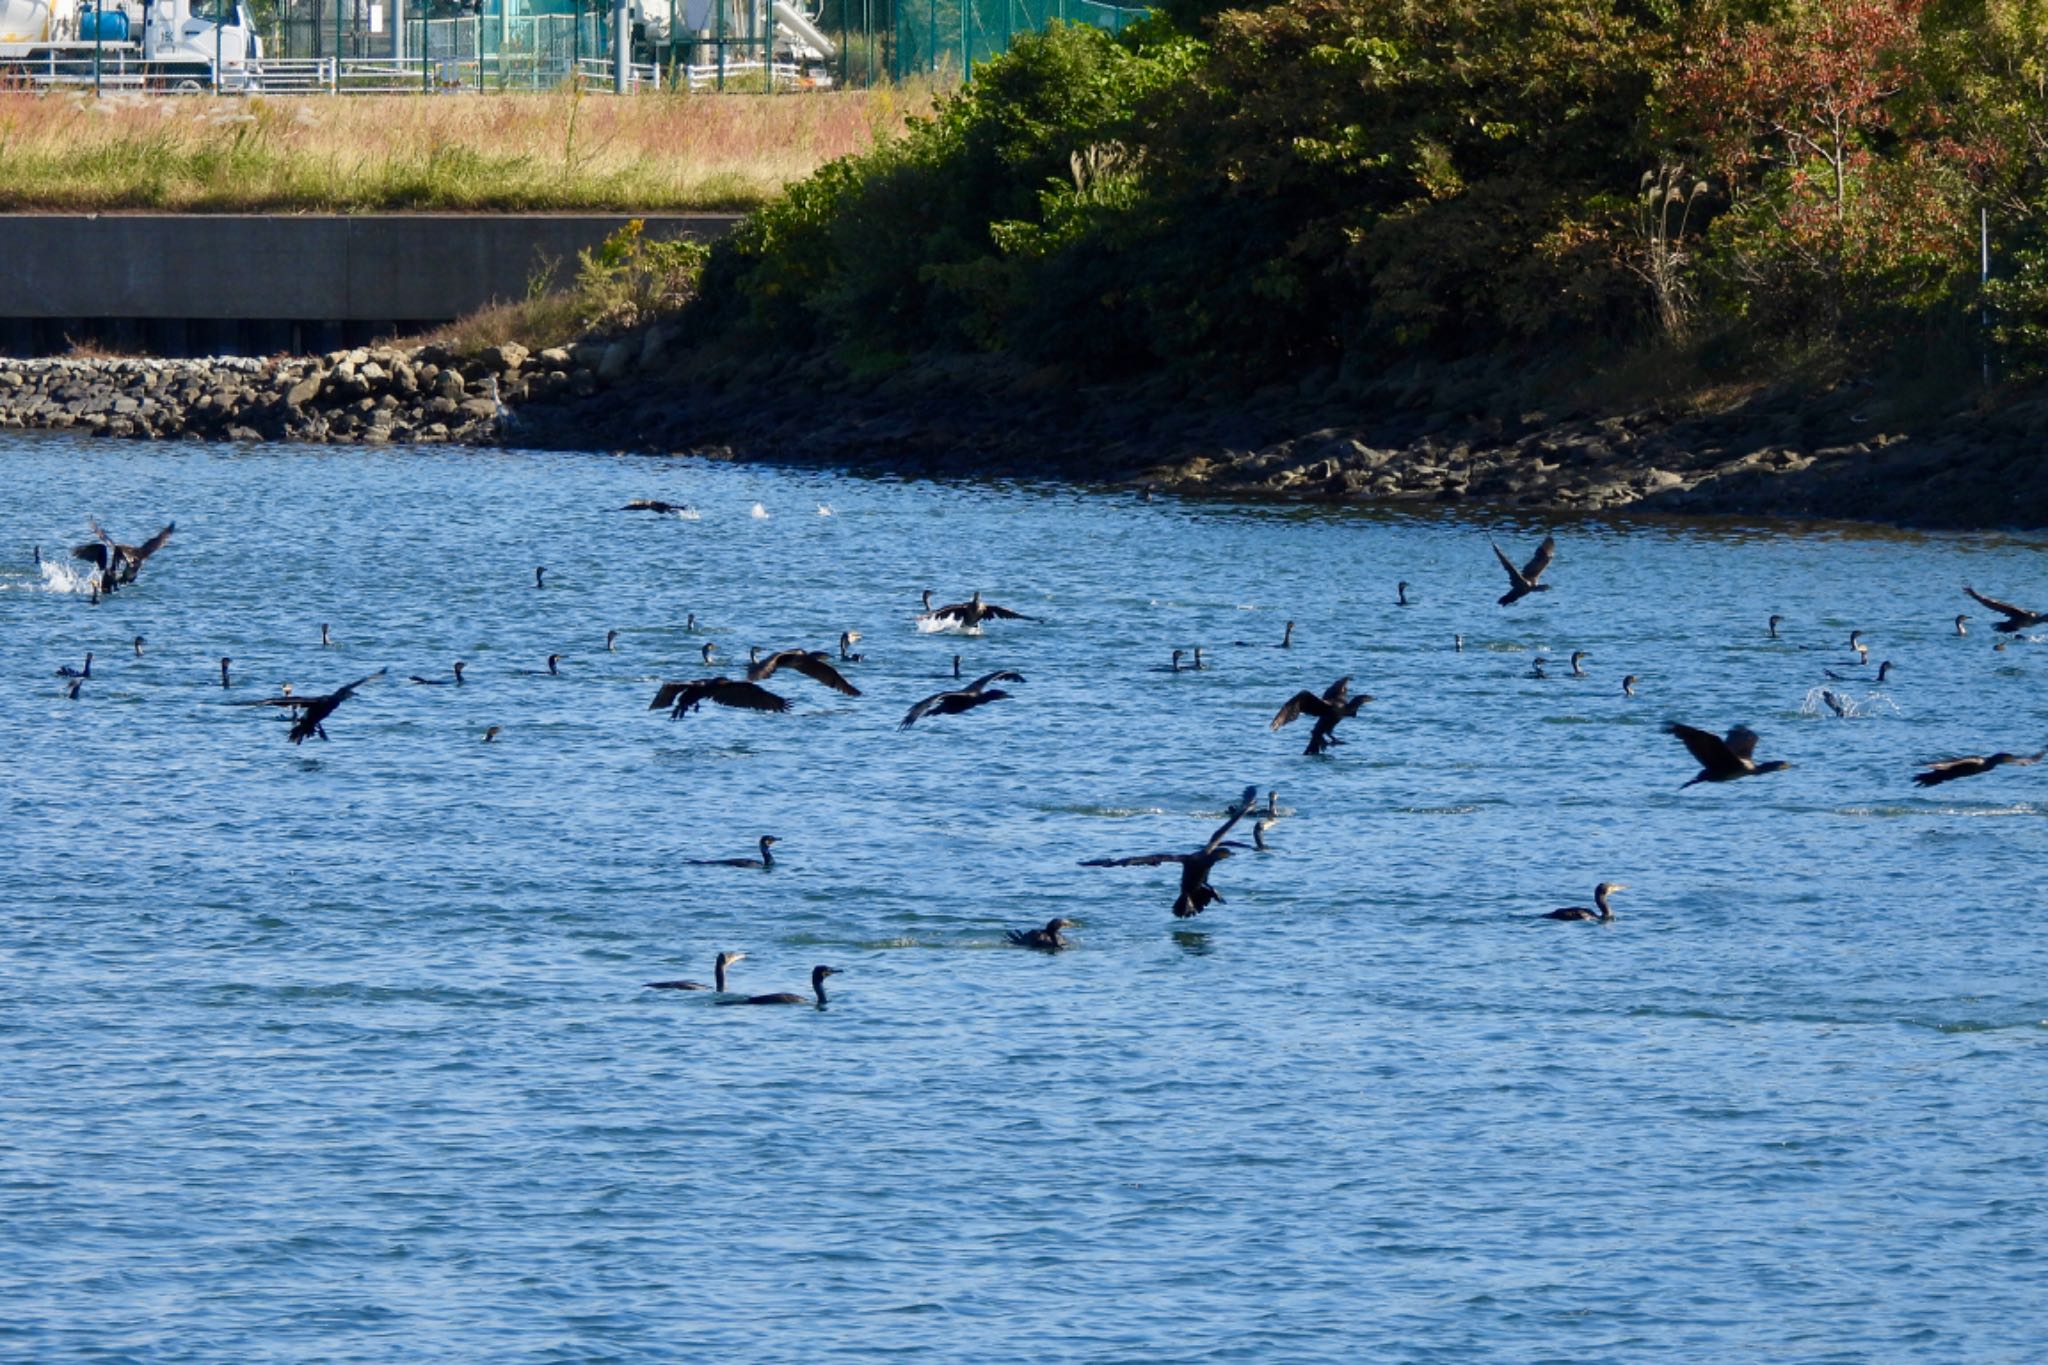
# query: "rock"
505,358
556,358
1661,481
611,367
299,394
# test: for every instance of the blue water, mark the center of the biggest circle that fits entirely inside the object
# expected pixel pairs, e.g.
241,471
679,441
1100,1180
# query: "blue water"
341,1052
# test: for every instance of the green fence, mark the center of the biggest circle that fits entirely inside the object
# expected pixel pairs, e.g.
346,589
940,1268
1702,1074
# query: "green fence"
953,36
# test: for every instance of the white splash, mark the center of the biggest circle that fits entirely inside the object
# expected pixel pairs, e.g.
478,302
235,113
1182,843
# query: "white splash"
759,513
825,509
59,577
687,513
947,625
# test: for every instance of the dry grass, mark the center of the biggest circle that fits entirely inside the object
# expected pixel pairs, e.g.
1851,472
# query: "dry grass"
490,153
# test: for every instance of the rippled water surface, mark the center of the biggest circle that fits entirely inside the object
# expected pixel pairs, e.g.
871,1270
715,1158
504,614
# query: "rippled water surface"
341,1052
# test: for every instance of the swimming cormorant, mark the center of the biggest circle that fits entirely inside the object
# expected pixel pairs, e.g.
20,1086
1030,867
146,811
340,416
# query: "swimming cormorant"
1047,940
224,662
1722,760
553,661
970,614
441,682
655,505
953,703
1334,706
1959,624
1773,626
1578,657
1628,685
1401,595
709,648
1196,895
77,685
818,975
611,642
491,732
67,671
1268,818
764,862
717,975
1883,670
325,638
1605,915
1173,667
1458,643
539,574
683,697
1536,667
1525,580
847,640
1835,703
1974,766
1286,637
812,663
139,643
2016,618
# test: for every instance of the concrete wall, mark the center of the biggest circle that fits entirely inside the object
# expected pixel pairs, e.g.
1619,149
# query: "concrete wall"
152,275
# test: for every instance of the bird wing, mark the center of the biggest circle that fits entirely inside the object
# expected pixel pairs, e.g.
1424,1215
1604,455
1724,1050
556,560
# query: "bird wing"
1741,741
1303,702
93,552
666,697
1540,561
1147,860
271,701
762,669
2002,608
1004,613
985,679
745,696
154,543
1709,748
1338,690
1514,574
1237,813
923,709
814,667
2029,760
953,610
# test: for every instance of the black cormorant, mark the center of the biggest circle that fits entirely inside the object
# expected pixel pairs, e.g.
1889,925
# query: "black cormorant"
818,975
1536,667
441,682
655,505
1525,580
1287,637
491,732
225,661
117,562
2016,618
139,643
1772,626
1605,914
1334,706
812,663
680,698
1579,656
67,671
847,640
313,711
1401,595
1722,760
553,670
611,642
1628,685
1196,895
1049,939
1974,766
1960,630
953,703
764,862
325,638
717,975
970,614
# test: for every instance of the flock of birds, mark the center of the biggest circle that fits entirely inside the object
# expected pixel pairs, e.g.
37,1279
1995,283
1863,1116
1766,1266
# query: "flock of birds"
1721,757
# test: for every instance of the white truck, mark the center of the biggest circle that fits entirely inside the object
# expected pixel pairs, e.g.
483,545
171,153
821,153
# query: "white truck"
172,45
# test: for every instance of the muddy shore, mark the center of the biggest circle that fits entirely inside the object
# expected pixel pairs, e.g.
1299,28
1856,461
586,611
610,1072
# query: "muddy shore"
1831,455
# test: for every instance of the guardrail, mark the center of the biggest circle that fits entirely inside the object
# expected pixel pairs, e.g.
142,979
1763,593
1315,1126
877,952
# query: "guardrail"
393,76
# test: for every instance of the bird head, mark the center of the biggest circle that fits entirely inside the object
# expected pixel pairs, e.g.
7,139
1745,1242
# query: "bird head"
727,959
1609,888
459,666
820,973
1053,926
767,839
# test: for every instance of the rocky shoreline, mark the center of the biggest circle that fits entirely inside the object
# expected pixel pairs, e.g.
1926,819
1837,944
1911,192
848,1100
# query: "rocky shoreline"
1778,454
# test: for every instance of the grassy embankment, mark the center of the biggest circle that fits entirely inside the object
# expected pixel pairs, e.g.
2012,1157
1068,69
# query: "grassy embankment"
490,153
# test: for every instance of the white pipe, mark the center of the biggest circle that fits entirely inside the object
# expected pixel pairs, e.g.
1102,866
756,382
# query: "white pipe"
792,19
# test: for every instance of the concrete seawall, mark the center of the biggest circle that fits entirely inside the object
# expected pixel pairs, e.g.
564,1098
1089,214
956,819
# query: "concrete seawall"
258,284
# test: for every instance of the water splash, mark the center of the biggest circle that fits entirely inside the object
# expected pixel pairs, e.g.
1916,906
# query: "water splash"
933,625
60,577
1829,701
759,513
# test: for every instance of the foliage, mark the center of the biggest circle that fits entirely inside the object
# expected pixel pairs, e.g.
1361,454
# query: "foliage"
629,277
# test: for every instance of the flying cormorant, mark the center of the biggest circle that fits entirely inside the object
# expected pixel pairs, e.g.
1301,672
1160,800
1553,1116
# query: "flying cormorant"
1330,709
680,698
1196,895
1722,760
1525,580
953,703
2016,618
1974,766
812,663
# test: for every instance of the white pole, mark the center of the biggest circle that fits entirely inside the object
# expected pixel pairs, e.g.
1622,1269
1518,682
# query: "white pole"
622,46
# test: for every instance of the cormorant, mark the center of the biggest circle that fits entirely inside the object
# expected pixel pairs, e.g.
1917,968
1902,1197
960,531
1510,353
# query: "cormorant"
611,642
709,648
77,684
1268,818
313,711
1578,656
117,562
224,662
1287,637
1722,760
1049,939
655,505
1458,643
953,703
1773,624
1834,703
325,638
139,643
2016,618
1173,667
956,665
1536,667
1580,912
1628,685
1334,706
1883,670
847,640
1199,665
441,682
970,614
67,671
812,663
764,862
717,975
1401,595
491,732
1959,625
690,623
680,698
553,660
539,574
1196,895
1974,766
1525,580
818,975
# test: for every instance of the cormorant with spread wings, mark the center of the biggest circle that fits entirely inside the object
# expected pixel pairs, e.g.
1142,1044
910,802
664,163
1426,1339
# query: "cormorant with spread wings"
970,614
1974,766
681,698
976,693
1196,895
812,663
1335,705
1523,581
118,562
1723,760
313,711
2016,618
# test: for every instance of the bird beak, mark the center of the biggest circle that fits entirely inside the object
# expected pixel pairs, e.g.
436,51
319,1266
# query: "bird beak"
1618,886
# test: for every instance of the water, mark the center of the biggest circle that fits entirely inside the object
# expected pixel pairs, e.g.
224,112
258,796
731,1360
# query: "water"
342,1052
